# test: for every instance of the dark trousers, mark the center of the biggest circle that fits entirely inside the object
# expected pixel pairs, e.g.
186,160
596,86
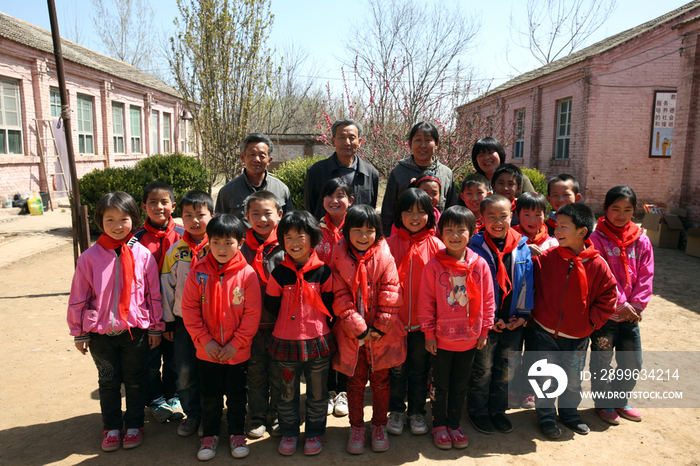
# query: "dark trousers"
488,384
451,370
187,371
219,380
570,355
316,374
263,381
378,381
411,377
120,359
622,339
158,389
337,381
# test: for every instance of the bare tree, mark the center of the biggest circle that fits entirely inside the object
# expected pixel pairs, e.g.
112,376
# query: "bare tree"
74,25
127,34
556,28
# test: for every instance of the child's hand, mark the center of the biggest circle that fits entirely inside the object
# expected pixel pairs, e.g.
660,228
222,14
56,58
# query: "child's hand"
515,322
499,325
534,250
169,335
481,342
431,346
153,341
212,349
227,352
629,314
82,346
373,334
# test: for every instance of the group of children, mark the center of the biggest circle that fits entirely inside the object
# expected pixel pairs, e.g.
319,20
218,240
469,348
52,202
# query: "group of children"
246,313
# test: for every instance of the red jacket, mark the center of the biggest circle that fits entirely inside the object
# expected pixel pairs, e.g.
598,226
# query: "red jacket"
241,313
382,310
411,283
558,306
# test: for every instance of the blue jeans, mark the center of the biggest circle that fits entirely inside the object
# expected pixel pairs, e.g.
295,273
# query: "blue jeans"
570,355
488,384
316,374
187,371
411,377
157,389
623,338
263,381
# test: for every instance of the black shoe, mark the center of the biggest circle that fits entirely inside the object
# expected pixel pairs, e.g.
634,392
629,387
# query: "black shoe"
483,424
550,429
501,423
578,426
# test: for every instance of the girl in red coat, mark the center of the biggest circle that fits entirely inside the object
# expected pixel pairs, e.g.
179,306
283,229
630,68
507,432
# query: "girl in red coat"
412,247
370,335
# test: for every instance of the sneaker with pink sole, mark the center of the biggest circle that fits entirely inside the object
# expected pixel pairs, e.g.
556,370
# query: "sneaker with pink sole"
356,442
288,445
609,415
380,439
459,440
111,440
629,413
132,438
528,402
313,446
441,438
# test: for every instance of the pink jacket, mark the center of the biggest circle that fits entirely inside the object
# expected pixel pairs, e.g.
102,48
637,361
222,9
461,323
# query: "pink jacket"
383,307
92,306
640,257
441,305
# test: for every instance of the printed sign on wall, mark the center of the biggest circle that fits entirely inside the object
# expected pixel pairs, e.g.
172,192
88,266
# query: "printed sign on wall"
664,118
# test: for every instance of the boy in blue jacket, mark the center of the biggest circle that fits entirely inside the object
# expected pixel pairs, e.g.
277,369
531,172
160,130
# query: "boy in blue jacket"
508,256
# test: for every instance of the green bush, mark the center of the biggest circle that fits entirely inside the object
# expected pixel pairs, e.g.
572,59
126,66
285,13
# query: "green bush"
293,174
539,181
182,172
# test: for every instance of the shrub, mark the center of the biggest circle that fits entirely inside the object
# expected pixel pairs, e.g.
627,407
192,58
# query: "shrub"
539,181
182,172
293,174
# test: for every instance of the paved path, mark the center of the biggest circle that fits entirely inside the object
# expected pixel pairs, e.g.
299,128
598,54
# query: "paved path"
23,236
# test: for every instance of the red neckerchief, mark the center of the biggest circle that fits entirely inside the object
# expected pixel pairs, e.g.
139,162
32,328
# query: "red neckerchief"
589,253
513,203
623,237
194,247
550,222
214,288
512,240
253,244
126,257
336,230
415,241
161,233
540,237
361,279
460,267
310,295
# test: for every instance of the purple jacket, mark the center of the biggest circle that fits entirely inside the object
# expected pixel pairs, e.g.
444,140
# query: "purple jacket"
640,257
93,302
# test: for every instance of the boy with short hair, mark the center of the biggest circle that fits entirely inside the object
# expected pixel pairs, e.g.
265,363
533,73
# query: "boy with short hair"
576,294
474,189
262,252
506,181
197,210
561,190
158,234
221,307
531,209
508,257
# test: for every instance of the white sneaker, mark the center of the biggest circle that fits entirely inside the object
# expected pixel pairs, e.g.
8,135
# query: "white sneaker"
418,425
257,432
395,423
331,402
341,404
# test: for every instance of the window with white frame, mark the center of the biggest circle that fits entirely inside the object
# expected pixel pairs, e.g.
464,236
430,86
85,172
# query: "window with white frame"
166,133
55,99
154,132
118,127
563,129
135,125
85,125
10,118
183,135
519,144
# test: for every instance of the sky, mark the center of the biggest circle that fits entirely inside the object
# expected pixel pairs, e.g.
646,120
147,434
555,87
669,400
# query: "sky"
321,27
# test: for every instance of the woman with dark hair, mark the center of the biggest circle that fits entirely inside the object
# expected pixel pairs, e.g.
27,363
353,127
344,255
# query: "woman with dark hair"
487,155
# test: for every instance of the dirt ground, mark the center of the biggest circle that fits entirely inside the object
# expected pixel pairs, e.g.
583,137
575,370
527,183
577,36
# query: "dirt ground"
50,408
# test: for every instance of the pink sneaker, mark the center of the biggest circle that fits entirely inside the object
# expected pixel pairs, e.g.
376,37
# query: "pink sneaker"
288,445
133,438
459,440
441,438
630,413
609,416
356,442
239,449
111,440
313,446
380,441
528,402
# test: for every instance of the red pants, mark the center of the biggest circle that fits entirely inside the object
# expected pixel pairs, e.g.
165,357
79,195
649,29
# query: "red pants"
378,381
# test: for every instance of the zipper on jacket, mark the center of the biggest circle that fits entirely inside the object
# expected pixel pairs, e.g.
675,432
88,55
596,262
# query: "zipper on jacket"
561,308
116,292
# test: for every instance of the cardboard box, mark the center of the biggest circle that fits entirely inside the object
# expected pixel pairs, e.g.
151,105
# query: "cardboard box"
692,248
664,231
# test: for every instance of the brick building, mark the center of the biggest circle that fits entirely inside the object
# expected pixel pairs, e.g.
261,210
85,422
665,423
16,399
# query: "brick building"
120,114
621,111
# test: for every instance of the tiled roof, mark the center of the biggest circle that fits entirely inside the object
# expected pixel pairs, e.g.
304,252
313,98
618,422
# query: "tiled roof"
598,48
38,38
